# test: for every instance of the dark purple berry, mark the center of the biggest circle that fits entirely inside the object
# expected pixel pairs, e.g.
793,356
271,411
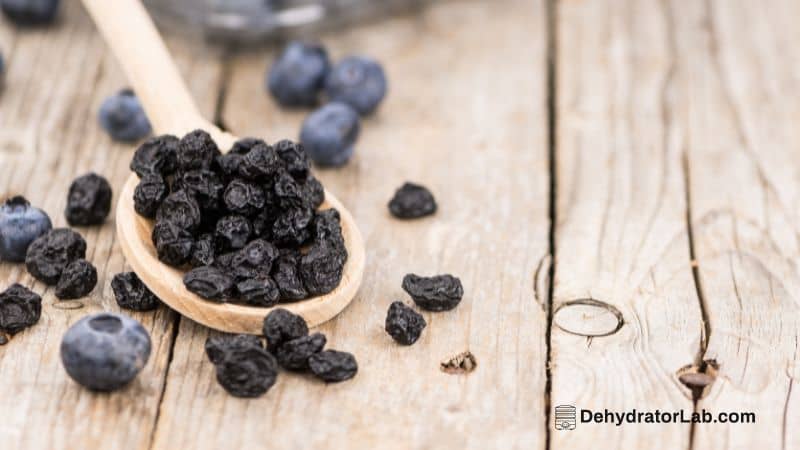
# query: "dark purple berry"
294,354
197,150
437,293
412,201
123,117
131,293
404,324
333,366
30,12
19,308
298,75
89,200
358,81
244,368
209,282
77,280
281,326
105,351
157,155
149,194
329,134
20,224
51,252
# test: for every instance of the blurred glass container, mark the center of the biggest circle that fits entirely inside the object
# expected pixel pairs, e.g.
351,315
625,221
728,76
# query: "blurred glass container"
249,21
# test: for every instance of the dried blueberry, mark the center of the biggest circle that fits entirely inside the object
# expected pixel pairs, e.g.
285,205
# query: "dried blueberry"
329,133
294,158
333,365
123,117
77,280
253,261
244,145
294,354
105,351
180,209
404,324
20,224
229,164
217,346
412,201
149,194
89,200
258,291
30,12
358,81
298,75
232,232
287,276
245,198
437,293
208,282
327,228
260,164
197,150
281,326
157,155
203,252
322,267
204,185
131,293
173,244
19,308
51,252
244,370
292,227
313,192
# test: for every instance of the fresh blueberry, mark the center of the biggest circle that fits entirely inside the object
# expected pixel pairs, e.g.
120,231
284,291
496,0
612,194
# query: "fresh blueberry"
358,81
105,351
298,75
329,133
20,224
30,12
122,116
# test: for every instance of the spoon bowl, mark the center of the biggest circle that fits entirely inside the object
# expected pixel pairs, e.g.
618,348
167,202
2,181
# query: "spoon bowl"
130,33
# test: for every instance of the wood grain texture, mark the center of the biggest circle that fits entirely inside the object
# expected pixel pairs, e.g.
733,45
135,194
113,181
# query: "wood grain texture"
740,109
621,235
56,79
469,122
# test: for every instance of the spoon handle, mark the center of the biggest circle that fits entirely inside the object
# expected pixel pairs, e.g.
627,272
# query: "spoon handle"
132,36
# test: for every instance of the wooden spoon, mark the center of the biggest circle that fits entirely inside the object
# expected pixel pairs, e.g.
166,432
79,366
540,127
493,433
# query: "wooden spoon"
133,38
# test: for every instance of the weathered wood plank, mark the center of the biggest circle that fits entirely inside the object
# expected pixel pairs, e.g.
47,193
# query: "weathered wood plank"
56,79
740,106
621,234
469,121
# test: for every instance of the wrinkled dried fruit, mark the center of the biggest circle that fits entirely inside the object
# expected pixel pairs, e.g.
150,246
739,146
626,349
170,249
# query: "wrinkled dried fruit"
260,163
437,293
232,232
208,282
89,200
294,354
180,209
333,365
412,201
204,186
294,157
131,293
404,324
149,194
243,368
157,155
281,326
242,197
173,243
287,276
322,267
197,150
51,252
77,280
258,291
218,346
19,308
203,252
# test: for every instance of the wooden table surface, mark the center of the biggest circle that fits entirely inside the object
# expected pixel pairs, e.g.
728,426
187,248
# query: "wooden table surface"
594,160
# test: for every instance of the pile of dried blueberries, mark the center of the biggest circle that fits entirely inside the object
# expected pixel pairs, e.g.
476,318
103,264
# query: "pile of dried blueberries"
245,368
244,223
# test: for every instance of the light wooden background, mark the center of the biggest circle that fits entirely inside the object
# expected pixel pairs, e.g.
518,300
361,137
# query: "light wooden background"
641,153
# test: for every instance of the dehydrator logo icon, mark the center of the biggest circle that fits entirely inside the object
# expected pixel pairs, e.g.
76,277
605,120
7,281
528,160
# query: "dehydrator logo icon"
565,417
